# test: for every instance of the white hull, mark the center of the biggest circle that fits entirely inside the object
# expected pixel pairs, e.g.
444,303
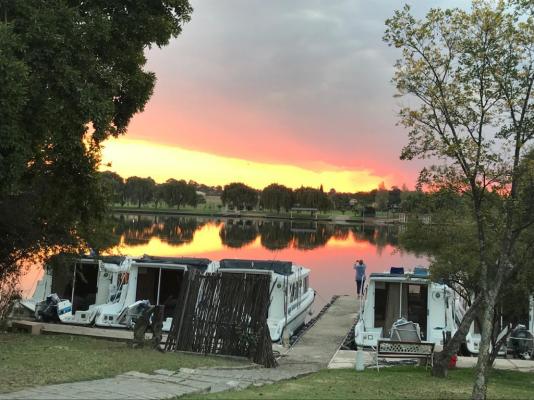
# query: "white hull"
291,289
279,327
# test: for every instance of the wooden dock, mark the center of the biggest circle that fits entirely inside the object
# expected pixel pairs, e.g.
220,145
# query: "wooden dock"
317,346
37,328
322,341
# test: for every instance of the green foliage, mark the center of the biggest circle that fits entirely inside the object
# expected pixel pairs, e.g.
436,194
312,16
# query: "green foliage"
240,196
139,190
178,193
308,197
26,360
71,75
391,383
471,74
341,201
276,197
113,187
381,198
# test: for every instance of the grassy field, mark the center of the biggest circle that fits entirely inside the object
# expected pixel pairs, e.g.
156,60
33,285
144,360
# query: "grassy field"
27,360
389,383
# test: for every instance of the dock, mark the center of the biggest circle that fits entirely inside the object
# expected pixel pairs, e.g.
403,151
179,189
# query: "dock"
317,346
37,328
322,341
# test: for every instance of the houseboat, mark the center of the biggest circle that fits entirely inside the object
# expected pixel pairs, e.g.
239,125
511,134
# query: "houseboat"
106,291
473,337
408,296
82,283
291,296
111,291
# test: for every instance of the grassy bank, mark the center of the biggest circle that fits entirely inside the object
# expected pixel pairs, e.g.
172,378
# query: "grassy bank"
214,212
389,383
27,360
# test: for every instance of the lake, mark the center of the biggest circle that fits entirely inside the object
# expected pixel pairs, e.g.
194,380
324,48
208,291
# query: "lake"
328,250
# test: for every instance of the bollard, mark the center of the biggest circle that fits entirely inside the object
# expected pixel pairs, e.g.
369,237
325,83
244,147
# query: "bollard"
359,364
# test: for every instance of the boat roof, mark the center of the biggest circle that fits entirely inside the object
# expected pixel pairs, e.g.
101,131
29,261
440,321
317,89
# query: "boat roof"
107,259
398,274
278,267
192,262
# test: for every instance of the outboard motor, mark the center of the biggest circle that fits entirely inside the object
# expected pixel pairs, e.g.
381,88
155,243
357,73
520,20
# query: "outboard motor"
521,342
46,310
130,314
53,309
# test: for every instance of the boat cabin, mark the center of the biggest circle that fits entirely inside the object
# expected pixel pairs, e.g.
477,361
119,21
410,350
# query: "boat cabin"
395,295
156,279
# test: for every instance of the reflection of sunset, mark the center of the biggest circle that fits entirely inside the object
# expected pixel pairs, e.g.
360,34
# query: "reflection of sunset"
136,157
206,239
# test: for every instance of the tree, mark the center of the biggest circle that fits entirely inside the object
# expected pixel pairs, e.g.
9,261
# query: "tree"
308,197
72,76
114,185
394,197
381,198
179,193
276,197
140,190
472,73
341,201
240,196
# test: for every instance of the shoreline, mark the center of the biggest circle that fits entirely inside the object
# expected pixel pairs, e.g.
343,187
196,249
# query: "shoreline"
338,220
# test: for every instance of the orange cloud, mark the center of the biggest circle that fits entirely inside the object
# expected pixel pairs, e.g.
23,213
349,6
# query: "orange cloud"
142,158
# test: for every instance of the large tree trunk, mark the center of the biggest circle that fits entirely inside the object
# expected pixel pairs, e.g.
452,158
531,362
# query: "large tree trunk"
483,367
440,366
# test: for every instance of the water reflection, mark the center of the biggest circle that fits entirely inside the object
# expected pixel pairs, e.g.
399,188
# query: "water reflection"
329,250
136,230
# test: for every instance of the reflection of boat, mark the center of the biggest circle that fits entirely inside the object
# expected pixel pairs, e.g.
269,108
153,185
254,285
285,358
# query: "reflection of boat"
392,296
291,296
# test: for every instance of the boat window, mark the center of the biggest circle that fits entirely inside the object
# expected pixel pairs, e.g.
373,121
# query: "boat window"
380,304
306,284
418,306
147,284
171,283
414,289
82,277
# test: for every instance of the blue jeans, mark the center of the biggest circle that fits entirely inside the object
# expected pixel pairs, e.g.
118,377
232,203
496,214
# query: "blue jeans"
359,285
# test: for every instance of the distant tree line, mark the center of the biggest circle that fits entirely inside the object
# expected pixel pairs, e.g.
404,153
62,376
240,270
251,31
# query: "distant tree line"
142,191
274,197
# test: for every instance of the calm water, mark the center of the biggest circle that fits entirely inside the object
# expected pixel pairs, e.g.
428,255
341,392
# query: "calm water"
328,250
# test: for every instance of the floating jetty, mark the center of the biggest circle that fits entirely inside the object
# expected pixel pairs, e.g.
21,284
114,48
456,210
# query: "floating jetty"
321,342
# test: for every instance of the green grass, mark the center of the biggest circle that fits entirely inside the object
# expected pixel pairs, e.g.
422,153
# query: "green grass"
27,360
389,383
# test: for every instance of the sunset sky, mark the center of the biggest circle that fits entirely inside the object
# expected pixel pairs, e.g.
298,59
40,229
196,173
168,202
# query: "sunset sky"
296,92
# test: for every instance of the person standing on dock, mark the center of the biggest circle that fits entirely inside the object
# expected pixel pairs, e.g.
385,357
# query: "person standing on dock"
359,267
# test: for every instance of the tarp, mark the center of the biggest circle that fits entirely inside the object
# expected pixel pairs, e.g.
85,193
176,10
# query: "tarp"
278,267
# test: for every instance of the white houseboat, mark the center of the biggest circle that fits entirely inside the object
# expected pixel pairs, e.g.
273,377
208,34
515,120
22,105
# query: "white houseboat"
107,291
411,296
102,291
473,337
291,296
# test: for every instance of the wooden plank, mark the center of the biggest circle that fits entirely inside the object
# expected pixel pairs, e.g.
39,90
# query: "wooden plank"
31,327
